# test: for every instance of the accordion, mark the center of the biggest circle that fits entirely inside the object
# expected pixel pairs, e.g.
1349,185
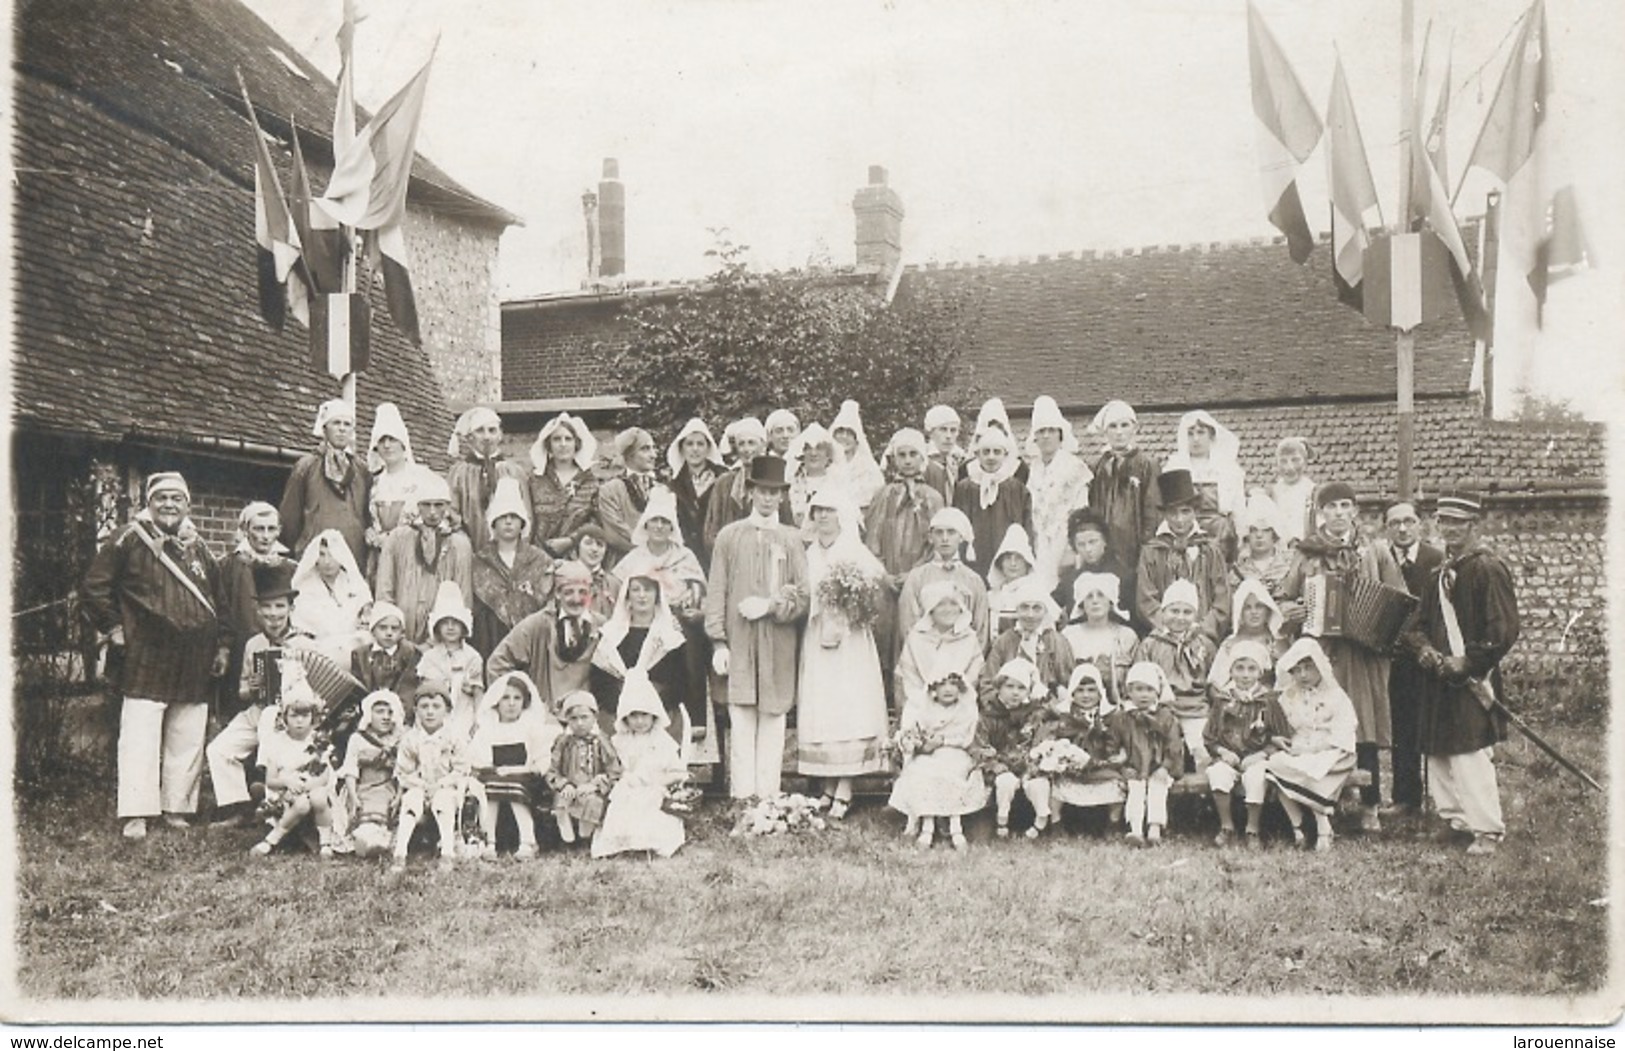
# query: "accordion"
1366,612
332,684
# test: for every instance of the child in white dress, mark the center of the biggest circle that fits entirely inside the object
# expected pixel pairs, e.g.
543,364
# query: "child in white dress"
650,764
298,777
940,778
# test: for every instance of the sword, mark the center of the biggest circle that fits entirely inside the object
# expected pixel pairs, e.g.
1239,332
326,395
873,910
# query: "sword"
1486,696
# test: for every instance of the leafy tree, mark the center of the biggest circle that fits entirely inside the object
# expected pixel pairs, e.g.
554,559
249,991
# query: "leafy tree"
1541,408
743,343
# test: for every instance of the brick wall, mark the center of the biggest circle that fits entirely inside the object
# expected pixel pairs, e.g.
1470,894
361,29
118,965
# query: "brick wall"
552,353
454,276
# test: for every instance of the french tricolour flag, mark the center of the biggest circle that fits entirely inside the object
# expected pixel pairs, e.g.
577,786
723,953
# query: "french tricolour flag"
339,328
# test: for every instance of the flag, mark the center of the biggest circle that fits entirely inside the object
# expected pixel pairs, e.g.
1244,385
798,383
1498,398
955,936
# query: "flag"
344,112
368,188
386,250
282,285
1439,125
1354,192
321,242
340,328
1288,130
1540,227
1407,280
1430,207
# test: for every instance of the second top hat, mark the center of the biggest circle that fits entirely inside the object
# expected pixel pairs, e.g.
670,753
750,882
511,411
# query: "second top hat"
1175,487
274,580
767,472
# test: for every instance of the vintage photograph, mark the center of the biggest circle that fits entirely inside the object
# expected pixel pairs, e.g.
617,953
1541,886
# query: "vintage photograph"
880,510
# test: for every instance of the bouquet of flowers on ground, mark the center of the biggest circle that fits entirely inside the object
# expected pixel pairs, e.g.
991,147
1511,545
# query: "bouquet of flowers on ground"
783,813
852,592
1059,757
680,799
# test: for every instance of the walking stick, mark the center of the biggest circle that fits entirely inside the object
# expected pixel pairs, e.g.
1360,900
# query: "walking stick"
1486,696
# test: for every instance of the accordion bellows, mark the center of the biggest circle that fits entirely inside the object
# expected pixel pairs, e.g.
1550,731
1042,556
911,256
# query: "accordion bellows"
1367,612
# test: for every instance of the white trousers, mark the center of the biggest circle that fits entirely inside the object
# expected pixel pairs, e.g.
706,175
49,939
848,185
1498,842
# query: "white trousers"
1466,792
160,757
443,806
1222,777
1037,789
231,750
1148,801
755,752
1191,727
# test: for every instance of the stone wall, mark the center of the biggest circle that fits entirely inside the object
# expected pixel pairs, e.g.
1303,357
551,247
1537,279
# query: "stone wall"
454,276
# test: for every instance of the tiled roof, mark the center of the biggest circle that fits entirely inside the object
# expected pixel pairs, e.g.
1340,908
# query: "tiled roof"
170,66
136,306
1217,324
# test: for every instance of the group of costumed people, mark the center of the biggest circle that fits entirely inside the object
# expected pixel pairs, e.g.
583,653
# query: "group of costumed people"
983,621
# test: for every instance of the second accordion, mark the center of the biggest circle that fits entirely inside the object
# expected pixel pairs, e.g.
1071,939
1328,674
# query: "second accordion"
1367,612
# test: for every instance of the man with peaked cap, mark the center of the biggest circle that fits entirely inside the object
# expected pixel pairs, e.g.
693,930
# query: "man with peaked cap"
1468,623
755,600
154,590
418,556
329,488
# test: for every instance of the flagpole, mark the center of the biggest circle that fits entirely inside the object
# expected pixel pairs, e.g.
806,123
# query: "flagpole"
1405,342
351,262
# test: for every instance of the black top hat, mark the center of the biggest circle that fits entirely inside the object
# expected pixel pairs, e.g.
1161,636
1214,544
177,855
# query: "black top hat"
767,471
1175,487
273,580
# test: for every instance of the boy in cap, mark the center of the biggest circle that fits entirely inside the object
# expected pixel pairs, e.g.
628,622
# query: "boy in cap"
390,660
433,770
1181,550
756,597
329,488
418,557
1469,621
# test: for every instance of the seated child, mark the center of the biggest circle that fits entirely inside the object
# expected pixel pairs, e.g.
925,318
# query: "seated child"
1184,654
1312,764
510,753
388,662
1012,564
1156,753
432,767
936,734
367,777
1033,638
1009,721
298,777
1087,724
1255,617
1241,725
584,767
451,660
1099,631
650,765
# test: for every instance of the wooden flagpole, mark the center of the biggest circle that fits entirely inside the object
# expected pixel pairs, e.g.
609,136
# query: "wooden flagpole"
351,262
1405,342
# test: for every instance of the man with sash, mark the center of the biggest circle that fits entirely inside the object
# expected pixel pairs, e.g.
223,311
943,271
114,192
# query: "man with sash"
1469,620
154,591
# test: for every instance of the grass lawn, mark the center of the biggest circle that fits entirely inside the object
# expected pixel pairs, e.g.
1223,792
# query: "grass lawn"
850,912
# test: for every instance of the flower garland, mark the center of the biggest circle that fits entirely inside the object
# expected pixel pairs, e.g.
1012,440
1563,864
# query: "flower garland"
783,813
1058,756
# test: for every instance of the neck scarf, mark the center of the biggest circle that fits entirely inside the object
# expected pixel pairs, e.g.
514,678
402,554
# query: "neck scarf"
336,467
487,463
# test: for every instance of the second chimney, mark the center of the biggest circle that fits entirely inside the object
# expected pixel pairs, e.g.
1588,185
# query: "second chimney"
612,220
879,214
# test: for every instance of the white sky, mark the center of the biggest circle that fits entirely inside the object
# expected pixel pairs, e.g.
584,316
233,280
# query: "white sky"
1008,128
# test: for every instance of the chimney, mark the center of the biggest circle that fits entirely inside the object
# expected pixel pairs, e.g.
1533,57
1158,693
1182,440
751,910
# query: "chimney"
879,214
589,210
612,219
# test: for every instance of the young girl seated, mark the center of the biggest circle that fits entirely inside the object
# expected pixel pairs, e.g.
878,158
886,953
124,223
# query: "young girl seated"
1312,764
298,778
510,753
432,768
1242,726
1184,654
451,660
936,734
1099,632
584,768
1011,565
1156,752
1009,723
1087,723
650,764
367,777
389,661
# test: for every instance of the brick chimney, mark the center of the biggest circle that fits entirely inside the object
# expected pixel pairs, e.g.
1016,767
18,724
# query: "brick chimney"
612,220
879,213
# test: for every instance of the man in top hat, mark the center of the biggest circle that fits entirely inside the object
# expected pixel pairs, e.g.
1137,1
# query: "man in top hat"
745,439
1337,549
417,557
1468,622
258,691
329,488
1417,562
756,596
1181,550
154,590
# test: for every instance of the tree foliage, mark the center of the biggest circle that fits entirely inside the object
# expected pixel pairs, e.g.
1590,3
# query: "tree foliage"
1542,408
744,343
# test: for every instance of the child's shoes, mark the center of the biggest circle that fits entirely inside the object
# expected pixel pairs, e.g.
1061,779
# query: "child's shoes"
958,840
325,852
525,852
1134,839
261,849
1003,831
837,809
1225,838
1153,835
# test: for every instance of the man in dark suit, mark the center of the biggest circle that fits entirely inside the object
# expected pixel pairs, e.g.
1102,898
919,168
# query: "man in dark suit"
1417,561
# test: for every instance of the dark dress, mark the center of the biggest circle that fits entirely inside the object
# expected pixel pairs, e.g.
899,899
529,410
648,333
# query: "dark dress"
670,679
1123,493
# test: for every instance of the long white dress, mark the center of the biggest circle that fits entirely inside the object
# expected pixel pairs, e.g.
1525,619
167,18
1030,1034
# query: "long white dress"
1058,488
634,820
841,713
